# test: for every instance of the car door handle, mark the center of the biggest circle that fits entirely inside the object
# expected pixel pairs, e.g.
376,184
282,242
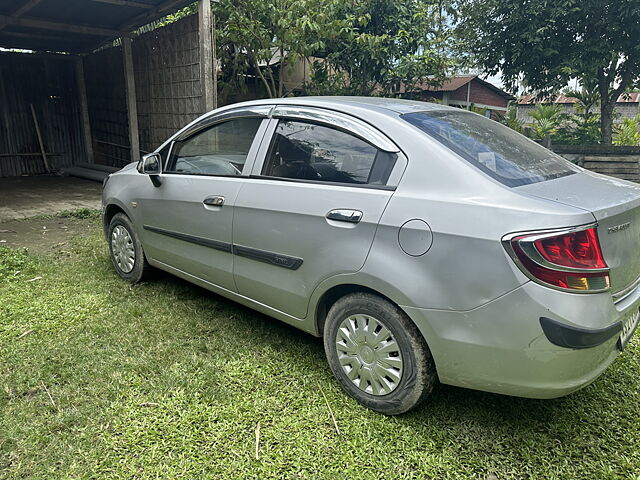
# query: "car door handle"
214,201
345,215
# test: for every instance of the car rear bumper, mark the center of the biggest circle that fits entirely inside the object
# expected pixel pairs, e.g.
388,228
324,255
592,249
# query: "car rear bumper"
505,347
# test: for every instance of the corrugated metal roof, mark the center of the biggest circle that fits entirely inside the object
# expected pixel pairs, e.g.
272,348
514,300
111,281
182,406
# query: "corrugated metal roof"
75,25
632,97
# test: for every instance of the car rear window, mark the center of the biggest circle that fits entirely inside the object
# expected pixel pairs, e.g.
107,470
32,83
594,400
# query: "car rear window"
497,150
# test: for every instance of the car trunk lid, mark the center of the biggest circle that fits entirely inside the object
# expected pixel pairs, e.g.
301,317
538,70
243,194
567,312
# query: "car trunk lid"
615,204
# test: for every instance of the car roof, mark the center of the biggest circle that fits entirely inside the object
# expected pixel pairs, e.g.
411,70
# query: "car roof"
380,104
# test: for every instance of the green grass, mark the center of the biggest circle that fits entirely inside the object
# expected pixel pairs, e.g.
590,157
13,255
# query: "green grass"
80,213
99,379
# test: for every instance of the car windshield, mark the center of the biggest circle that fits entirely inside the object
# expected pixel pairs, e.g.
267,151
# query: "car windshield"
497,150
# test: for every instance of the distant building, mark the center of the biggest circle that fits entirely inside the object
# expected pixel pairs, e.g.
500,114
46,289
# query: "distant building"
465,91
627,106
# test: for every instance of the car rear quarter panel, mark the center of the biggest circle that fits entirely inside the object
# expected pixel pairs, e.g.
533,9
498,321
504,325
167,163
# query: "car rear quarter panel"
468,214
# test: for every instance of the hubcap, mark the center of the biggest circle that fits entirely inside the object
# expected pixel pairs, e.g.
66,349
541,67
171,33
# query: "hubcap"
369,354
122,249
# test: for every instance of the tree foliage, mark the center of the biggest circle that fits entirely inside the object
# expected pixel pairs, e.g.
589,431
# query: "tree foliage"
628,132
546,44
548,118
358,46
386,44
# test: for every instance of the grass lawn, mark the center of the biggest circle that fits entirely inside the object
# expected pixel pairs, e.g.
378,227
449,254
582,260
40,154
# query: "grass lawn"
100,379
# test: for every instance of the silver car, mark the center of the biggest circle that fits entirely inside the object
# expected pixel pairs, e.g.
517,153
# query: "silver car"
423,243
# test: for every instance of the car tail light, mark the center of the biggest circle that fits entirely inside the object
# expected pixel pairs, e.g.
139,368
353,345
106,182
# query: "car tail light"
569,260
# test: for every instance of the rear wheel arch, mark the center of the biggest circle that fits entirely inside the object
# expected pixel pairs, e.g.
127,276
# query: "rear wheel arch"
335,293
391,372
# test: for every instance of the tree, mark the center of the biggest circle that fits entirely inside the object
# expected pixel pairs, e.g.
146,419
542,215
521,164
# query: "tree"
511,119
628,132
386,45
548,118
546,44
262,33
588,97
360,46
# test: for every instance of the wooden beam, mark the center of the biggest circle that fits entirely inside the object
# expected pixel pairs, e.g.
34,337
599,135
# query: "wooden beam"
159,11
62,27
126,3
132,107
67,43
24,8
37,36
35,154
84,109
206,59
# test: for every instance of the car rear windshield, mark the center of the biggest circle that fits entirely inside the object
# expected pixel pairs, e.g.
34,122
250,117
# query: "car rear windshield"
497,150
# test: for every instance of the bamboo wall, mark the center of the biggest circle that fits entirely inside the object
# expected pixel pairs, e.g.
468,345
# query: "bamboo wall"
106,99
168,96
168,90
167,76
48,83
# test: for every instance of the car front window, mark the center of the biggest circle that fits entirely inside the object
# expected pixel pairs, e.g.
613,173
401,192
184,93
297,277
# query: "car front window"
219,150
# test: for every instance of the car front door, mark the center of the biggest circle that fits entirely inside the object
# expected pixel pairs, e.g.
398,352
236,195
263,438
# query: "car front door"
187,218
311,206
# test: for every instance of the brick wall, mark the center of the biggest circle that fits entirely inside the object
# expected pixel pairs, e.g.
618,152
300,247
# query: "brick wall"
478,94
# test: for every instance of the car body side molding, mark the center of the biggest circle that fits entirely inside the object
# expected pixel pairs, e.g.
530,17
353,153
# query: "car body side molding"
205,242
278,259
273,258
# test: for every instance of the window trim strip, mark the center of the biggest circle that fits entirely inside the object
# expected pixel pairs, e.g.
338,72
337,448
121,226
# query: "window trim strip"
341,121
390,188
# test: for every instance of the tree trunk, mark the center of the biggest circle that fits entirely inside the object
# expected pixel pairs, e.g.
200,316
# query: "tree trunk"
281,74
607,102
606,120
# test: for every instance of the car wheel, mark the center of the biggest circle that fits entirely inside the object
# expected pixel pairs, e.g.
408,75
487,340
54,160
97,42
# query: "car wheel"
125,249
377,354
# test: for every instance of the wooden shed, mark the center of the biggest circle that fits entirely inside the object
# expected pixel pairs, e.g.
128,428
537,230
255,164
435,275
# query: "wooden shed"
80,83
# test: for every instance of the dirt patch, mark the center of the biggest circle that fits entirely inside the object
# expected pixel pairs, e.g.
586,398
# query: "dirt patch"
25,197
43,235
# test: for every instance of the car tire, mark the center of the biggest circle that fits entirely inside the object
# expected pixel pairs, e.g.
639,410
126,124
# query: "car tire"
125,249
377,354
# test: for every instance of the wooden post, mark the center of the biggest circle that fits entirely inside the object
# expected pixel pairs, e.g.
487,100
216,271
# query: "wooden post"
40,142
215,62
132,107
206,69
84,109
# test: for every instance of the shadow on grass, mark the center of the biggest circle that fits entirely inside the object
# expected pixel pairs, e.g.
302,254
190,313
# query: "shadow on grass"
447,404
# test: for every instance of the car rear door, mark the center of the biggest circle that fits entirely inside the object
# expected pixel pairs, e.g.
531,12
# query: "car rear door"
187,219
311,206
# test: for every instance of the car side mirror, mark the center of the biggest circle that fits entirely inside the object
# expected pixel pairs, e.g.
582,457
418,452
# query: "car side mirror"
151,164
